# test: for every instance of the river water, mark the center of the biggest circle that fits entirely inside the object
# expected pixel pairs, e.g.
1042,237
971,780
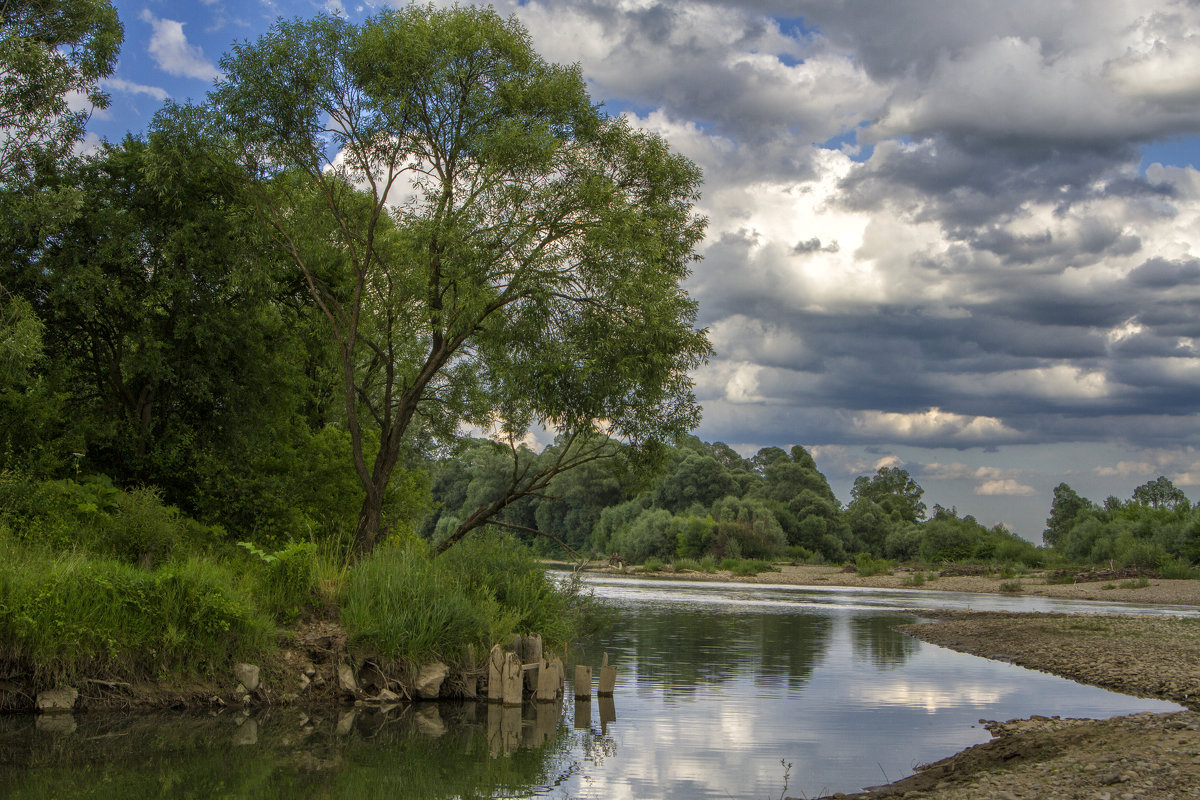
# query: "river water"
720,687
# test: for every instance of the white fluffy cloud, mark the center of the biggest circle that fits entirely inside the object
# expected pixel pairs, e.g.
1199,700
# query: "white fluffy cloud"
174,54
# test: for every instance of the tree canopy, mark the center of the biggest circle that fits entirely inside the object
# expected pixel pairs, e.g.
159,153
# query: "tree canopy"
509,255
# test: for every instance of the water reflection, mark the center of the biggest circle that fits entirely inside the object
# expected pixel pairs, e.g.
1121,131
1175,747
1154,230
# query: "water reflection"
415,751
873,639
716,685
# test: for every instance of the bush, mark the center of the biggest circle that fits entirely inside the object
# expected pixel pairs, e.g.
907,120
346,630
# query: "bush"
653,564
687,565
868,566
1178,569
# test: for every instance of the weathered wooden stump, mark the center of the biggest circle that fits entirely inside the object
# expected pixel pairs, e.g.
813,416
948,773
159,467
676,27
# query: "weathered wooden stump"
511,680
583,682
608,679
531,657
548,681
496,675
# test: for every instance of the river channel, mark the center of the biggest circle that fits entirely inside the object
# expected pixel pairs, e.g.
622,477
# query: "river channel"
720,687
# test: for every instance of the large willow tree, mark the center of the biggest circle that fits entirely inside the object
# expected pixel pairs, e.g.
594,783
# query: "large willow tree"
490,249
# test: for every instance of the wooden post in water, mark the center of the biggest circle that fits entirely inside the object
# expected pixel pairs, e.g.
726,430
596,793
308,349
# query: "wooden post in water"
548,681
511,680
495,692
583,682
608,679
532,657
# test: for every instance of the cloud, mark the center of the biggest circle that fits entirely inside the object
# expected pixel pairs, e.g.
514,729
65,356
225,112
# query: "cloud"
129,87
1008,486
172,52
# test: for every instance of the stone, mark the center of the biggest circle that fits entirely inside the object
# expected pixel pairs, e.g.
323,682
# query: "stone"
345,723
346,679
429,721
246,734
57,700
429,680
387,696
304,681
59,724
247,674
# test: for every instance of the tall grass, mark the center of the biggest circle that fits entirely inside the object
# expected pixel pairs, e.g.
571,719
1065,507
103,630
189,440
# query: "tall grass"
65,615
401,605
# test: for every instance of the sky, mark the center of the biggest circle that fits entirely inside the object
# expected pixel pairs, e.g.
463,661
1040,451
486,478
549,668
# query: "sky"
960,237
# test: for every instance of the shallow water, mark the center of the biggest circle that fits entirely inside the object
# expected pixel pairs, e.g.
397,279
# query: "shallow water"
717,685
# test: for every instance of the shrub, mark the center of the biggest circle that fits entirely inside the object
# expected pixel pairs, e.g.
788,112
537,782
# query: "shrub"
868,566
687,564
1011,586
1178,569
915,579
653,564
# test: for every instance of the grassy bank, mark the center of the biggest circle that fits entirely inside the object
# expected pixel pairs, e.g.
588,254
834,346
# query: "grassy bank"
101,584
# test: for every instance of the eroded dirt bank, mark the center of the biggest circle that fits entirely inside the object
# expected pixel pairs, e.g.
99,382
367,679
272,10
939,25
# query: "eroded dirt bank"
1138,756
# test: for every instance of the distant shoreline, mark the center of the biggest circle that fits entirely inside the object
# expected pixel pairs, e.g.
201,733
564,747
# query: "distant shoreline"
1159,591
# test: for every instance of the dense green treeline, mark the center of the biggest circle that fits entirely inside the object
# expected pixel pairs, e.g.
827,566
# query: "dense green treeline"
708,501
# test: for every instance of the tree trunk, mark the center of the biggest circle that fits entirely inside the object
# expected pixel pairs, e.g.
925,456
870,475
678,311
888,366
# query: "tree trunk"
370,518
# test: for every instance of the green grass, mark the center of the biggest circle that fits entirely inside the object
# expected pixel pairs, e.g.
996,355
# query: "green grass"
915,579
62,616
1012,587
401,605
746,566
653,564
687,564
1136,583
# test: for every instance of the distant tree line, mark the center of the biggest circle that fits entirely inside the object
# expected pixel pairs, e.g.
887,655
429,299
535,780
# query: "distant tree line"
709,500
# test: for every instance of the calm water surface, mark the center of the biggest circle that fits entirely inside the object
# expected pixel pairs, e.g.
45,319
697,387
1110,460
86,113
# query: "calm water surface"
717,684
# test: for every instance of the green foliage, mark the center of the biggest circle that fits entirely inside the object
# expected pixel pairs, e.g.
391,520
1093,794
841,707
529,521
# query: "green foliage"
746,566
868,566
915,579
653,564
686,565
286,579
404,606
62,616
1135,583
50,50
133,526
1178,568
535,272
1011,587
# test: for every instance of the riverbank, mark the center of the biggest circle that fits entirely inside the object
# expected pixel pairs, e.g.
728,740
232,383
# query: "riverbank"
1037,583
1139,756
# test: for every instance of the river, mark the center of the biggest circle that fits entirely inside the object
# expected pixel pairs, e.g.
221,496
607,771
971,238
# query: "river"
720,688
